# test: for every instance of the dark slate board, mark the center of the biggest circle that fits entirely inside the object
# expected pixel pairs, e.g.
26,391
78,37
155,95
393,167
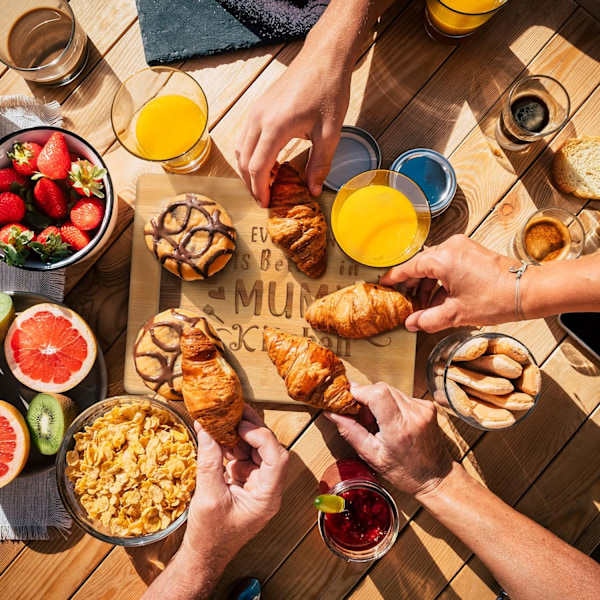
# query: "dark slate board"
174,30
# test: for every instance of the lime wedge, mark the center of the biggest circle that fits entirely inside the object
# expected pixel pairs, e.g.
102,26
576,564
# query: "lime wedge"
7,314
328,503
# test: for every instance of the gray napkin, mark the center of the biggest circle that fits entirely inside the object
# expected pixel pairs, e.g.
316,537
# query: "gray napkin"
30,505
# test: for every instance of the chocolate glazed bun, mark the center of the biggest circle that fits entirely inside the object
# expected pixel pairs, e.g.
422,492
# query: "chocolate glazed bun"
157,350
193,237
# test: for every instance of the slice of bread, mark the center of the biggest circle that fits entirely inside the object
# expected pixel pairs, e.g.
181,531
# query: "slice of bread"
576,167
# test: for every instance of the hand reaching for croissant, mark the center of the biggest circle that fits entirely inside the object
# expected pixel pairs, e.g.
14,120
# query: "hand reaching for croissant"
404,445
477,286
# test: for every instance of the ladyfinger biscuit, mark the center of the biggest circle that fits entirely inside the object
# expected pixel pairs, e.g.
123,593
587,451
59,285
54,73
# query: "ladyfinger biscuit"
510,347
480,381
492,417
530,380
471,349
459,399
496,364
512,401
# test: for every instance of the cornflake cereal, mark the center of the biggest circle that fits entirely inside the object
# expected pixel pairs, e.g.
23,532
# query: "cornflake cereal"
133,469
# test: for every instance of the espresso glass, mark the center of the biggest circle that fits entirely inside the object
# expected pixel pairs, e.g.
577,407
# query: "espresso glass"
42,41
549,234
535,107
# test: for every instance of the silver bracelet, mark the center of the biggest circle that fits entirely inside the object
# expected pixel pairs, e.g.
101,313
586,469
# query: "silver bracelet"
519,313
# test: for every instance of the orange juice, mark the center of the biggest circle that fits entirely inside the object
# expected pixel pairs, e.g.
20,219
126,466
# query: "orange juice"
169,126
460,17
375,225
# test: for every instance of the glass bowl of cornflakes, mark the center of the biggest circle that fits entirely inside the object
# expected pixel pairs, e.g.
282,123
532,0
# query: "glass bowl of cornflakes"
126,470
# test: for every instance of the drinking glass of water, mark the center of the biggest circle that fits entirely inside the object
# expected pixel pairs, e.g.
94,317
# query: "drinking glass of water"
535,107
42,41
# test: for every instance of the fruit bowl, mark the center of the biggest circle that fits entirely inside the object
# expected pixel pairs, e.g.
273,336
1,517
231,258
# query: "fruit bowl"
37,219
143,489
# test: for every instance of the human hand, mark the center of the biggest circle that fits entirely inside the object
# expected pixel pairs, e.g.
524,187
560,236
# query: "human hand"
477,286
309,101
230,506
408,449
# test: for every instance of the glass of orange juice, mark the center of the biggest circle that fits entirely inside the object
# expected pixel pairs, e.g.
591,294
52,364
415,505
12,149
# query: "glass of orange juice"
454,20
161,114
380,218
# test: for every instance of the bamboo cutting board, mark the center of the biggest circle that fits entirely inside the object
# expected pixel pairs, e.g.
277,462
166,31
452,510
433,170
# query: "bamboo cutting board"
259,287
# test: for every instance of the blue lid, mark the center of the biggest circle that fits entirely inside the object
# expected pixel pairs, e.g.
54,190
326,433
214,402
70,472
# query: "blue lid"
432,173
356,153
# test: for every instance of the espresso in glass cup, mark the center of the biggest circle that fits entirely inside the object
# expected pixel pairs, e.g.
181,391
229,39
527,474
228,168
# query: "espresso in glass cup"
549,234
535,107
368,526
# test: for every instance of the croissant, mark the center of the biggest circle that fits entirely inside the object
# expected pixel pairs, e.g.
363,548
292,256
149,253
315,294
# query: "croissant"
211,389
296,222
360,310
312,374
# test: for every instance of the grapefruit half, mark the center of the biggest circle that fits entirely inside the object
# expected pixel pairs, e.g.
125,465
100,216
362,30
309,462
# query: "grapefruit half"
14,442
50,348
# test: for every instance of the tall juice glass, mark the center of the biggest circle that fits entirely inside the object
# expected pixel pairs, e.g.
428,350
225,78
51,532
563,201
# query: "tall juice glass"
454,20
161,114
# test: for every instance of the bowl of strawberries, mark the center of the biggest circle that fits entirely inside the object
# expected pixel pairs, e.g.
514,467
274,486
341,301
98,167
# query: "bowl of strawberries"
56,199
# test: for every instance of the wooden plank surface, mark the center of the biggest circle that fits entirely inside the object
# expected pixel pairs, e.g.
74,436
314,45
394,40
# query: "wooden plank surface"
407,91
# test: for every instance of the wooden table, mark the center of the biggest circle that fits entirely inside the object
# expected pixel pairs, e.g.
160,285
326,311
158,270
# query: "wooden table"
408,92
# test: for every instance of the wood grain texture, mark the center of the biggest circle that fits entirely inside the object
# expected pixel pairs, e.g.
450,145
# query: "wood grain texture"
564,499
426,554
408,91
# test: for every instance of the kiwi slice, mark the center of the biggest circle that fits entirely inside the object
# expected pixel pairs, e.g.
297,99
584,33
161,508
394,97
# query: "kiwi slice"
49,416
7,314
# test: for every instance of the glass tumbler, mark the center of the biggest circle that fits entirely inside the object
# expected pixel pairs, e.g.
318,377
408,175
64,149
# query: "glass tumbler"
160,114
453,21
42,41
549,234
535,107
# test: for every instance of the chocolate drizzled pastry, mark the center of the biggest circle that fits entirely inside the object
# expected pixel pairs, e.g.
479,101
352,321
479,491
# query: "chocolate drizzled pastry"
193,237
157,351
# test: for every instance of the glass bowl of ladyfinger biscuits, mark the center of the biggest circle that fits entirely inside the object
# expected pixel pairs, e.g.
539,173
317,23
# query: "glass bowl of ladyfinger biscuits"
489,380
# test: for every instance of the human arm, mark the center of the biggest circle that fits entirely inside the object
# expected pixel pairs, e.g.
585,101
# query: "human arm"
229,508
310,99
408,450
479,289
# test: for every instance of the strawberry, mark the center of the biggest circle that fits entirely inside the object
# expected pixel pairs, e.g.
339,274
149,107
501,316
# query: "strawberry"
14,240
9,176
54,161
87,178
50,199
49,245
12,208
87,214
73,236
24,157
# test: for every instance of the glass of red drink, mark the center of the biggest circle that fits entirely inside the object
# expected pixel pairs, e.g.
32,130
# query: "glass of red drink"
368,526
